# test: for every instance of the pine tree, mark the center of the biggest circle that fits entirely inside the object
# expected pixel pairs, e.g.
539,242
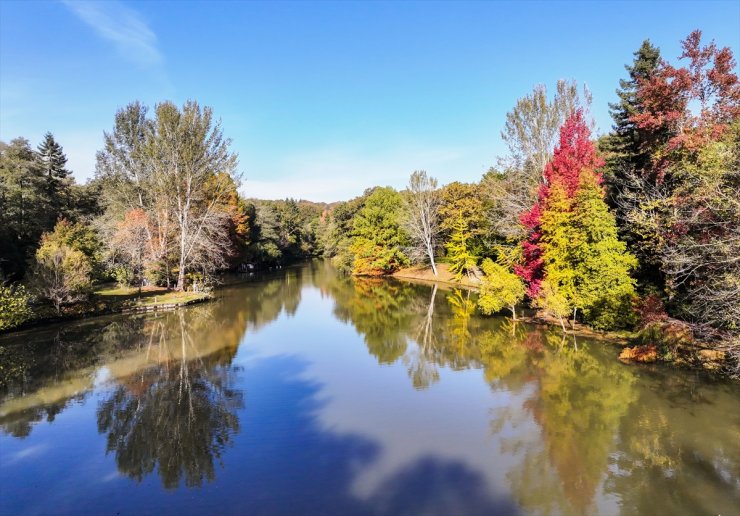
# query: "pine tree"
24,206
52,162
573,243
629,151
606,289
628,147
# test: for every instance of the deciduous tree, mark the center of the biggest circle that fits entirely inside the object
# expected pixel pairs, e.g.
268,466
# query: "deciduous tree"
378,240
421,218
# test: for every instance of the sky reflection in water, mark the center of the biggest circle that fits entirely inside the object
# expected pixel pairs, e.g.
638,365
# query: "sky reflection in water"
309,392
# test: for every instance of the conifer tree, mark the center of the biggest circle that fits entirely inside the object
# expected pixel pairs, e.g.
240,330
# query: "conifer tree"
52,162
461,259
574,153
628,147
629,150
573,240
582,255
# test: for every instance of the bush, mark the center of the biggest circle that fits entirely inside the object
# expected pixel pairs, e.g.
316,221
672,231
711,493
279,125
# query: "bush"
61,274
14,306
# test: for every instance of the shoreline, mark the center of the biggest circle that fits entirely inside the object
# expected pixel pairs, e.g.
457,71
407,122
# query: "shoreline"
98,306
684,355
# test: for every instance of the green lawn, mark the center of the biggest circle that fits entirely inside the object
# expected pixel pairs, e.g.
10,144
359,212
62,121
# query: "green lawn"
149,296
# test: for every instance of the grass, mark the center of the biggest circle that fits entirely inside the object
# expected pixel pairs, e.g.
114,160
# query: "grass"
171,298
131,297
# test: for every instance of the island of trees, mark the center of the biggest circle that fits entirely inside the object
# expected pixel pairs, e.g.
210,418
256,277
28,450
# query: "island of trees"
638,229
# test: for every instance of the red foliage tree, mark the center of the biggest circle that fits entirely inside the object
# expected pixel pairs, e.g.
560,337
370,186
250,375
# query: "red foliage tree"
574,153
693,104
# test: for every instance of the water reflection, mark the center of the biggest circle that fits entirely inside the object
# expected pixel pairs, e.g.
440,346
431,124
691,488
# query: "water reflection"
306,389
177,416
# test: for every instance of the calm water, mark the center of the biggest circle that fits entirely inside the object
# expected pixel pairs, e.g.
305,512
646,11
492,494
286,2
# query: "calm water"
304,392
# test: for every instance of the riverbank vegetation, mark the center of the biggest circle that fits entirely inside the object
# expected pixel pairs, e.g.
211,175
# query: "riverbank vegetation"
634,230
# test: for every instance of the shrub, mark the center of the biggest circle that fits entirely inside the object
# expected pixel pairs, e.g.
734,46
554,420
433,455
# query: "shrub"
60,274
14,306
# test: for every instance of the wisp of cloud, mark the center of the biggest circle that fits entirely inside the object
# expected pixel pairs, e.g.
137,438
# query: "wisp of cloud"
121,25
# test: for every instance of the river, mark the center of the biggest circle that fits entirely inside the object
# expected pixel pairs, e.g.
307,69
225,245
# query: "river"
302,391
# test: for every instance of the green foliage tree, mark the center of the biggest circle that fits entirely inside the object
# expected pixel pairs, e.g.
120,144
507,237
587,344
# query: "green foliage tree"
24,206
14,306
464,199
628,152
378,238
337,233
462,261
61,273
36,190
628,147
500,288
584,261
81,237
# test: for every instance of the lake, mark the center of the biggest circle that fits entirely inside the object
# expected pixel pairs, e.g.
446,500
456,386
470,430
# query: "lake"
302,391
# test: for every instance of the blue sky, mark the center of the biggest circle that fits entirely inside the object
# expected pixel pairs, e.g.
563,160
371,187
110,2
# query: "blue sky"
324,99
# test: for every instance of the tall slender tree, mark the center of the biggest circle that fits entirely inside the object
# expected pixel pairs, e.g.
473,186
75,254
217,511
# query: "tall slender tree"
52,162
574,153
629,151
629,148
422,203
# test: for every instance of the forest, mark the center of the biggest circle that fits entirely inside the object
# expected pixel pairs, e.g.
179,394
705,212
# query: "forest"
635,230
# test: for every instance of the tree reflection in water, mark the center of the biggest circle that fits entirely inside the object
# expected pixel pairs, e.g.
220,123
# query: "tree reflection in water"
571,427
575,401
177,416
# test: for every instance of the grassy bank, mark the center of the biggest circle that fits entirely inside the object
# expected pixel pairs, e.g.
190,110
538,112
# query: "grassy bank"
109,299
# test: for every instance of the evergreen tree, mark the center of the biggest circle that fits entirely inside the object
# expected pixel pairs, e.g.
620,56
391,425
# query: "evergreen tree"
462,261
52,162
629,150
628,147
24,206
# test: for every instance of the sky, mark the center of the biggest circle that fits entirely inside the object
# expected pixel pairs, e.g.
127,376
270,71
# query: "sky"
325,99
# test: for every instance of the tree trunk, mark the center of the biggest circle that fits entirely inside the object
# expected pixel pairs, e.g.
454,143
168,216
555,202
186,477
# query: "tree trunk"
573,324
513,312
562,324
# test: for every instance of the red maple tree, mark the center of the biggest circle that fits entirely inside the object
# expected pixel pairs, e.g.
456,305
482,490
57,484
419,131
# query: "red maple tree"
690,105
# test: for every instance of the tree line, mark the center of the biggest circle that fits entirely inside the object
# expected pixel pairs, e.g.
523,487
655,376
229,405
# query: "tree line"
635,225
163,209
